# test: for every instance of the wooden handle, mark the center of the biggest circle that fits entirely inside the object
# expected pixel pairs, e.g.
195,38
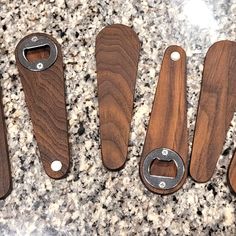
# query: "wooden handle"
168,122
215,111
5,174
117,53
45,97
232,174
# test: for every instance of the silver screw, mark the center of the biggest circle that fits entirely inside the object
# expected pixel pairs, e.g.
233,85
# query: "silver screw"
39,66
34,39
175,56
164,152
162,184
56,165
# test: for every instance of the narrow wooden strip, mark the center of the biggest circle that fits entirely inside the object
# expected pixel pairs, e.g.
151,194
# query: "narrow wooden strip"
168,122
232,174
215,111
5,174
117,53
45,97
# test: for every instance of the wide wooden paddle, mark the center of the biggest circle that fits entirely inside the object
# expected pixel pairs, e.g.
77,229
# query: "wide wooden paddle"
5,174
215,111
165,152
117,53
39,61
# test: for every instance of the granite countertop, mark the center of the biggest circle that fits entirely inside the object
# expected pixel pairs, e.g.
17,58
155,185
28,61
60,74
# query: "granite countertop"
92,200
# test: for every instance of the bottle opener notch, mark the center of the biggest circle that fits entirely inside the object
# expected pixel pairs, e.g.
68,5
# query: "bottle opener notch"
36,42
163,182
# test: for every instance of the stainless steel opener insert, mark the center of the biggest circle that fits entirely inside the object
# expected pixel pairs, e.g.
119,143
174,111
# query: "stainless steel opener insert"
35,42
163,182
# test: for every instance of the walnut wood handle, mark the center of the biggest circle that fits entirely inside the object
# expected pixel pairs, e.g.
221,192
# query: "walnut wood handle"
232,174
117,53
5,174
215,111
45,96
168,122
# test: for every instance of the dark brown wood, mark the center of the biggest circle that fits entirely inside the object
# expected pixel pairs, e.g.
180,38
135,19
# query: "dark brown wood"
5,174
117,53
232,174
215,111
168,122
45,97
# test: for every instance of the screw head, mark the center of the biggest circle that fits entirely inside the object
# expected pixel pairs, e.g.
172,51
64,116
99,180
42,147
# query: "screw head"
56,165
162,184
175,56
164,152
34,39
39,66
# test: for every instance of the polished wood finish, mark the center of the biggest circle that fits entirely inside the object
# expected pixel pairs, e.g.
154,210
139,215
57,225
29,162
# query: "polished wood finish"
117,53
168,122
45,97
216,108
5,174
232,174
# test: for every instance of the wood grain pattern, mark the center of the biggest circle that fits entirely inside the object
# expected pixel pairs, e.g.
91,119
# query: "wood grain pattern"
232,174
45,98
5,174
168,122
117,53
215,111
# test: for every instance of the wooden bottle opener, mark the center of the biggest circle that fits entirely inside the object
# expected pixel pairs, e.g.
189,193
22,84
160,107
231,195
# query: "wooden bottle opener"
5,173
163,165
117,53
215,111
39,61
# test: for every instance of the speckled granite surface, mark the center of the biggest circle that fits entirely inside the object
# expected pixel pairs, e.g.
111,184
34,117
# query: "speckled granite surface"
92,200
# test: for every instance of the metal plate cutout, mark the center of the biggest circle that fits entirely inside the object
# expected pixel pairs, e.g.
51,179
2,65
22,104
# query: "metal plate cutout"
163,182
34,42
